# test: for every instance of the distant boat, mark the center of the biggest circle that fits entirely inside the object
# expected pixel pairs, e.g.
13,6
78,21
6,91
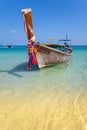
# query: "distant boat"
9,46
6,46
46,54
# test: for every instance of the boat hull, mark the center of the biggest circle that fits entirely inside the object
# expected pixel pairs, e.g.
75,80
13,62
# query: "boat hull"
47,56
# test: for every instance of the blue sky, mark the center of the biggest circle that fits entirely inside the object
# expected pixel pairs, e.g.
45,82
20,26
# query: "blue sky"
51,18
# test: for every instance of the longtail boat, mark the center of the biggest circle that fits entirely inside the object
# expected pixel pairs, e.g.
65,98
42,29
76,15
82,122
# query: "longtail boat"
43,54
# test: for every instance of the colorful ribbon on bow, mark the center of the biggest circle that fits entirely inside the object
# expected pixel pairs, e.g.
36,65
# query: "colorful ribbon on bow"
31,55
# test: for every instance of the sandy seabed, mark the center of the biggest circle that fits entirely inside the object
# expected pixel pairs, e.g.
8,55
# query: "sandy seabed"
43,111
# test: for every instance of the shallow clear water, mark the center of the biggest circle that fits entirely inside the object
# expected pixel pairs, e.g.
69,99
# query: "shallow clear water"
53,98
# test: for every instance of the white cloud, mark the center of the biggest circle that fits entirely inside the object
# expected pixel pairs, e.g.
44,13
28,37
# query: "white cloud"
13,31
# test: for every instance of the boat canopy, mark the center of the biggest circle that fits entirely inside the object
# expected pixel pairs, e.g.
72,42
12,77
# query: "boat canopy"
64,40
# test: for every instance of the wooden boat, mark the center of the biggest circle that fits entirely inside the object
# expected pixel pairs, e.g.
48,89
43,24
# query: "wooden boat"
46,54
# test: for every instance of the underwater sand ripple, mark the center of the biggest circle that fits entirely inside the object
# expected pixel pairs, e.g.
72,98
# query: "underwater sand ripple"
53,112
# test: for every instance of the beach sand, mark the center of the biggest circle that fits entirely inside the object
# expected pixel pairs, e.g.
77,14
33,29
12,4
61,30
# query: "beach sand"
43,111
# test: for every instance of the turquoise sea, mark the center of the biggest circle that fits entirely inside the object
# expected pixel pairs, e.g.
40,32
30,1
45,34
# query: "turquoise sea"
52,98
